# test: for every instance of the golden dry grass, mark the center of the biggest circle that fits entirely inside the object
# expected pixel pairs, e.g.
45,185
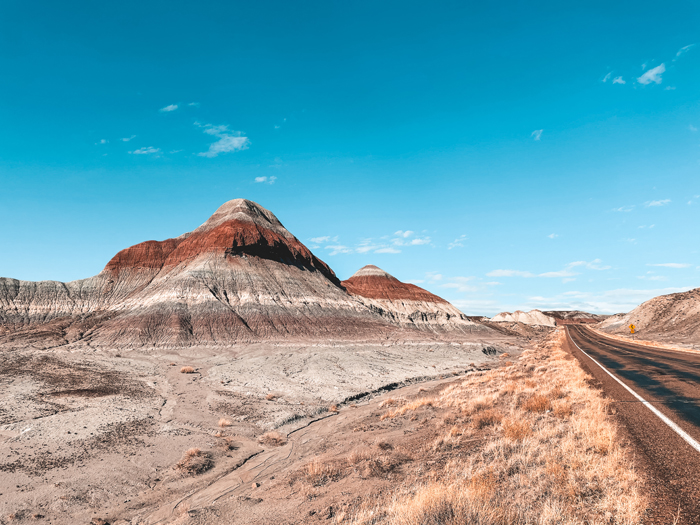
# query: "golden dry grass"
223,422
547,453
270,397
187,370
273,439
333,408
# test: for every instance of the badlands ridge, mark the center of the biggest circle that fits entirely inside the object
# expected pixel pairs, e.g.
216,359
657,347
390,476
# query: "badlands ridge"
240,277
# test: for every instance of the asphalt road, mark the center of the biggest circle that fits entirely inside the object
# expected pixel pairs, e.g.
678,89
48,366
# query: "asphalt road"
670,382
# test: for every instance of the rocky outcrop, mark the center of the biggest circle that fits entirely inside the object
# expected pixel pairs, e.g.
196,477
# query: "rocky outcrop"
239,277
574,317
405,304
673,317
533,317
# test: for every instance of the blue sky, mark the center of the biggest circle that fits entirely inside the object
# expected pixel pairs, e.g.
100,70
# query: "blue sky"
502,155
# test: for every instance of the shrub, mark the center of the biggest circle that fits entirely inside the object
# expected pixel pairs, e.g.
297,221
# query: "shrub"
194,462
187,370
273,439
487,418
537,403
223,422
516,430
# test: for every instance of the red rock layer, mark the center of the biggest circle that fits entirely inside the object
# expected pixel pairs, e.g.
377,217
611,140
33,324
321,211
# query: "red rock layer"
231,238
373,283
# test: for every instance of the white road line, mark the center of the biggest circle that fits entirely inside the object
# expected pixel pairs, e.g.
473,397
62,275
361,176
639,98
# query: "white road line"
678,430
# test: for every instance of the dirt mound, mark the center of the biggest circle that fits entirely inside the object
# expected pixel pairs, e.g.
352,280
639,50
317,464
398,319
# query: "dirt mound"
406,304
673,317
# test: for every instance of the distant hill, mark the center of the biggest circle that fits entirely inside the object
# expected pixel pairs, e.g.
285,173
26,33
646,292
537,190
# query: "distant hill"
575,317
533,317
672,317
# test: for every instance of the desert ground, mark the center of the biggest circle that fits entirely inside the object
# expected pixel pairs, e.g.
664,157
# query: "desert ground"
99,434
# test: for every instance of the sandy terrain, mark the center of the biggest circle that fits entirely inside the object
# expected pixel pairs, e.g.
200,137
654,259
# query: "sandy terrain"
97,434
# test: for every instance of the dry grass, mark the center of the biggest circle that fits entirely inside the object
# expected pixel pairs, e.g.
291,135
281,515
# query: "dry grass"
187,370
487,418
194,461
542,450
333,408
270,397
223,422
273,439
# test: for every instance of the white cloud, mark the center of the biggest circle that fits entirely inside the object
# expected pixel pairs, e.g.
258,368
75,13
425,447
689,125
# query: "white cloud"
670,88
127,139
560,273
684,50
662,202
335,250
387,250
619,80
415,281
102,141
194,104
652,277
553,235
168,109
537,134
592,265
228,141
671,265
320,240
147,150
403,234
458,242
267,180
607,77
460,284
653,75
509,273
624,209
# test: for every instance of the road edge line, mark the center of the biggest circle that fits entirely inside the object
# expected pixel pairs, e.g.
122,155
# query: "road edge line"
678,430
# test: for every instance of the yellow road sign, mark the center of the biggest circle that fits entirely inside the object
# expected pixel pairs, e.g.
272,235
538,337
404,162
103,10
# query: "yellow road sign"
632,328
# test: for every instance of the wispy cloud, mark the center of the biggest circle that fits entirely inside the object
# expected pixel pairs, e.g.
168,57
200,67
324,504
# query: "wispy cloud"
592,265
266,180
537,134
509,273
653,204
553,235
402,238
692,128
338,248
460,284
324,238
607,76
194,104
653,75
458,242
102,141
387,250
560,273
619,80
127,139
147,150
624,209
672,265
684,50
228,140
168,109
